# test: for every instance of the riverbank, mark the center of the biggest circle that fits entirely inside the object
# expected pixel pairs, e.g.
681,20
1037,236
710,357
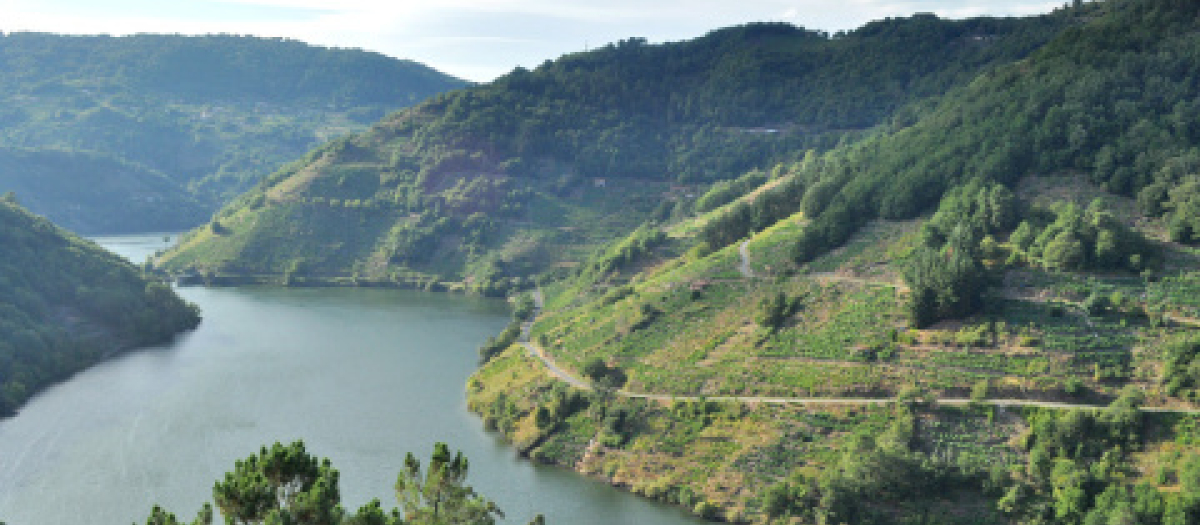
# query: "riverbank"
229,280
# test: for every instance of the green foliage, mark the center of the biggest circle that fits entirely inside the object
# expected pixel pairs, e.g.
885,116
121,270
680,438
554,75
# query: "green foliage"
1071,109
1062,111
440,494
867,482
1181,375
622,253
946,274
774,310
496,344
538,151
284,484
725,192
1079,469
768,207
159,516
946,283
1091,239
98,192
152,132
631,109
65,304
602,374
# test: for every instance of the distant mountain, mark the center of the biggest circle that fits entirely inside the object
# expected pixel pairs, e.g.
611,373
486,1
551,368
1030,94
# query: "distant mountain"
209,115
490,185
94,192
65,303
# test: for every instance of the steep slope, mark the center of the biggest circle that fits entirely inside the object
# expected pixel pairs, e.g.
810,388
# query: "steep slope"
65,304
493,184
212,114
1031,235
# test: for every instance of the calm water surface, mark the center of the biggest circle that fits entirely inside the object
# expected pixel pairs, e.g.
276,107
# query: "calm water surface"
363,376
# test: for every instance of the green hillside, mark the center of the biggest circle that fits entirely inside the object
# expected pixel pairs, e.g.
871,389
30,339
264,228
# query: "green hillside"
489,186
97,192
65,304
922,272
1028,237
191,120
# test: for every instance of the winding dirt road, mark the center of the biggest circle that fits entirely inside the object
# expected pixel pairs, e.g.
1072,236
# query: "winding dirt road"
540,354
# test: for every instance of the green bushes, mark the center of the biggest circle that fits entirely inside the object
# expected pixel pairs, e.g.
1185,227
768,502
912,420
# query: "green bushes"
725,192
946,283
1090,239
602,374
747,216
1181,375
774,310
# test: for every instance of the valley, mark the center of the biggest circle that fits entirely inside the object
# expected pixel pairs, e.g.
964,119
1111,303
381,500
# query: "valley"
925,271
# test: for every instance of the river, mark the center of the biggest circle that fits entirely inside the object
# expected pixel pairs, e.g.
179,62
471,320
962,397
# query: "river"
362,376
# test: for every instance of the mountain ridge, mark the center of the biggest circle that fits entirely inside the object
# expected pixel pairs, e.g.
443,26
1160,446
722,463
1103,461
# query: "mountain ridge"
212,114
533,148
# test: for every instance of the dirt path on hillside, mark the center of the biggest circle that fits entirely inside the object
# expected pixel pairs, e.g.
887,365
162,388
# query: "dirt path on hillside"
557,372
831,277
747,272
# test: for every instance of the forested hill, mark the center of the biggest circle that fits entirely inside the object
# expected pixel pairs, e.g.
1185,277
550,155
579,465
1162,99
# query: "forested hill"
211,115
1030,235
202,69
502,180
65,303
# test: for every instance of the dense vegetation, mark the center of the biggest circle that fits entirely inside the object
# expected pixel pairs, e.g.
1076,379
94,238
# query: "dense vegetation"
917,209
66,303
1111,98
166,128
1015,238
285,484
491,185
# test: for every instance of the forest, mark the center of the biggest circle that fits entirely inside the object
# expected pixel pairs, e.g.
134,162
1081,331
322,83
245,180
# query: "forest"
67,304
166,128
492,183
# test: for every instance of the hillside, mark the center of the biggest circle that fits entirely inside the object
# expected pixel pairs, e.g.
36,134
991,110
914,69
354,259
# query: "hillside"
65,304
804,297
187,122
1029,236
117,197
489,186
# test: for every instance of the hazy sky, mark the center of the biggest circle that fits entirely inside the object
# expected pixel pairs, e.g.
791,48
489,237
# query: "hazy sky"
474,39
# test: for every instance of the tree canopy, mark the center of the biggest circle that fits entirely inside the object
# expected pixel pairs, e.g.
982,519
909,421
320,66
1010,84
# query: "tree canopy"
65,303
286,485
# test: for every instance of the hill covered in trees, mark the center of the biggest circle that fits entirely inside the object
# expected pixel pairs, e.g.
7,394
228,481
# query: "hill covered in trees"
916,210
65,304
1026,236
491,185
164,129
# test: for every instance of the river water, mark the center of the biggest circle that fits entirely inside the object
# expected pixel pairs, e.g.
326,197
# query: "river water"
362,376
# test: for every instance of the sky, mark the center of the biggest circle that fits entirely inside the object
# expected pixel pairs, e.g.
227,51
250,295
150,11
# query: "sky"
473,39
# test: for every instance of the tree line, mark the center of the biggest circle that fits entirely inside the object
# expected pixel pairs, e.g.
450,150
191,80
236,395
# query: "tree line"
286,485
65,303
